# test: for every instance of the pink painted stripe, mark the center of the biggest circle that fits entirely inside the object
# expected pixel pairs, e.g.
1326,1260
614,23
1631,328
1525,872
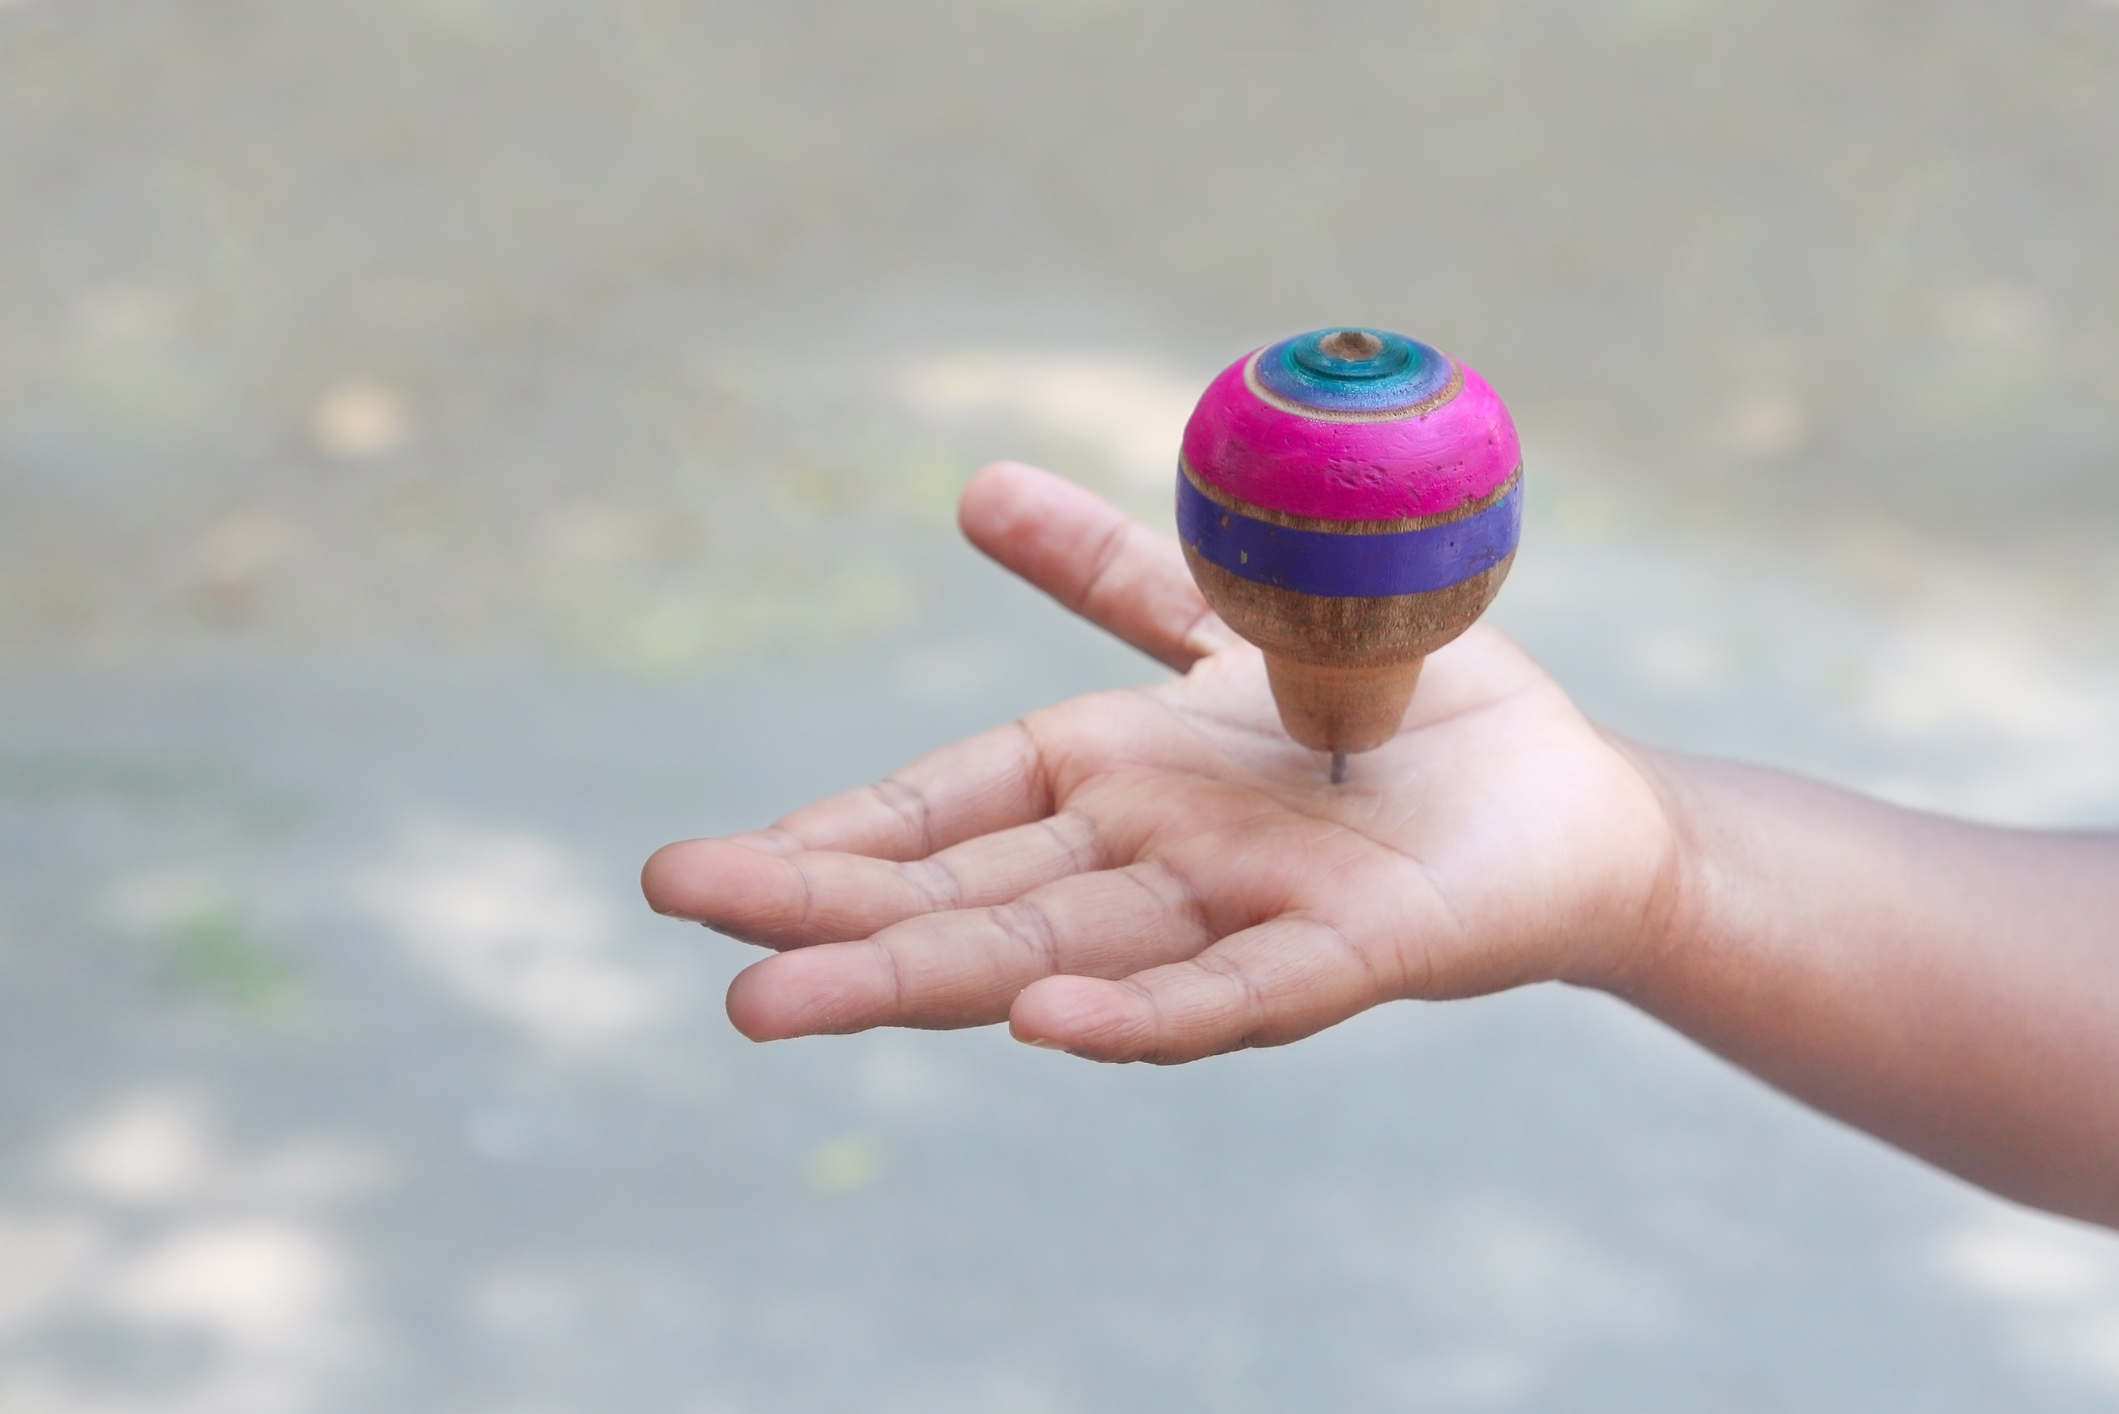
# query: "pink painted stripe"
1304,466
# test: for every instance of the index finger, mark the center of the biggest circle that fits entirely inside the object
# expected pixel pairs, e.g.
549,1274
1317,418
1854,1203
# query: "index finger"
1093,558
972,787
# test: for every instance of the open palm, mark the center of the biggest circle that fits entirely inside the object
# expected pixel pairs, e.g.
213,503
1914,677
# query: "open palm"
1161,874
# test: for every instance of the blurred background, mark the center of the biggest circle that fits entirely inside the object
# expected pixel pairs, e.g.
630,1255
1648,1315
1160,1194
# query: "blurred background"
450,447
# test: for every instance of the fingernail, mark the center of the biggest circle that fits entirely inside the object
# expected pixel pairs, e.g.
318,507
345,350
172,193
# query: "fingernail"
1043,1043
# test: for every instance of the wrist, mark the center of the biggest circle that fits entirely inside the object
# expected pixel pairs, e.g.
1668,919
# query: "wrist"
1657,906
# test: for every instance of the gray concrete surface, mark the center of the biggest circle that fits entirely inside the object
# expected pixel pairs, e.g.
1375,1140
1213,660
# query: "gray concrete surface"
449,447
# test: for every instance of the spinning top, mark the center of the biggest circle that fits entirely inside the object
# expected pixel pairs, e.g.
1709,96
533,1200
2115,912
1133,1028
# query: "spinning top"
1349,501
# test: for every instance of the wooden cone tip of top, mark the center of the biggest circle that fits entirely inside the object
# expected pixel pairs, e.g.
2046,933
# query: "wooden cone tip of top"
1341,709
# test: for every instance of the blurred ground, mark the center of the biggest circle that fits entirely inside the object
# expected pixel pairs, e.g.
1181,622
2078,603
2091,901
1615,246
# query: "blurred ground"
448,448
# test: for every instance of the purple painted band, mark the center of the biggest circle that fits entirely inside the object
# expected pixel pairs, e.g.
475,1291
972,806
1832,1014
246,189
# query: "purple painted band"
1339,565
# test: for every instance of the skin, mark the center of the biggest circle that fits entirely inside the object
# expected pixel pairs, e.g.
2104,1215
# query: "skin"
1161,875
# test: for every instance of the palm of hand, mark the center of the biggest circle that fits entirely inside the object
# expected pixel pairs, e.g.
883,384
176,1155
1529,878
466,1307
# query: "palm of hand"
1162,874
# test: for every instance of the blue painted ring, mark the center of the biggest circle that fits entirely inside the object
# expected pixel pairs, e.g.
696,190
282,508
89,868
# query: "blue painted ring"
1341,565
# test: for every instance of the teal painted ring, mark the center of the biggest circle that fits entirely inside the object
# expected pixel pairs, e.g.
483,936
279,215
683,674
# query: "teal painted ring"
1402,373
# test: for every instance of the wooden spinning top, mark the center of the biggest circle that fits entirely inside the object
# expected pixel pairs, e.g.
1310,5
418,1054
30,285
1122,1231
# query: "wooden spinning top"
1349,501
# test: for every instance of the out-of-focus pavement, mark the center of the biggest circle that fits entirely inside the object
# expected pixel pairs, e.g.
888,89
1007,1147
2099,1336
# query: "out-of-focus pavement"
449,447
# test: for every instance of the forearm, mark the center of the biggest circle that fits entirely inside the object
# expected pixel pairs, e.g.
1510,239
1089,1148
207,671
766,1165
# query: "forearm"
1951,988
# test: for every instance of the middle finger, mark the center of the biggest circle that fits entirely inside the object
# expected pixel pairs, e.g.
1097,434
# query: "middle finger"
965,968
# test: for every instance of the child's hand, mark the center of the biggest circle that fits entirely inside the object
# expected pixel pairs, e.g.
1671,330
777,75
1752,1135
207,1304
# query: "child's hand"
1162,874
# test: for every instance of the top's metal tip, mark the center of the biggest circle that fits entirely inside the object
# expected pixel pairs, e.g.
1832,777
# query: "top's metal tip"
1339,768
